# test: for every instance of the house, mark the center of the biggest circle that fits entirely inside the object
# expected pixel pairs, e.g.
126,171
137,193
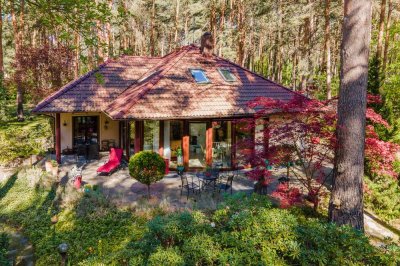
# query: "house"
189,98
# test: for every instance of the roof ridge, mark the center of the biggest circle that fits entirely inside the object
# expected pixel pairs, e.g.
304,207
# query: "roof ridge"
69,86
178,55
247,70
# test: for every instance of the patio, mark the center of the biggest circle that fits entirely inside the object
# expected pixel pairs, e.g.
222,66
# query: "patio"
125,191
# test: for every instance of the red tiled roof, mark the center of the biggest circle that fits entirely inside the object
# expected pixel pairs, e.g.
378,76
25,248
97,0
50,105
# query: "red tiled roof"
163,88
99,87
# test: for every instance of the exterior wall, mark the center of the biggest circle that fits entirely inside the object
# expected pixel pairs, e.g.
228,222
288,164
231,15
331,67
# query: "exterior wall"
112,131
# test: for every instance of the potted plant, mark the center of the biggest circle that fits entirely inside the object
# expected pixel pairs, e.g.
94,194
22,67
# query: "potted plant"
179,156
147,167
54,167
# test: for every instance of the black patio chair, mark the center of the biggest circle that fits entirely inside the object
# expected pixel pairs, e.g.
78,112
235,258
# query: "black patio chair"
80,151
93,152
225,184
189,186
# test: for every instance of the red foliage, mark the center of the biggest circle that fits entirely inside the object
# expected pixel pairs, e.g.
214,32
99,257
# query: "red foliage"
380,156
306,135
287,196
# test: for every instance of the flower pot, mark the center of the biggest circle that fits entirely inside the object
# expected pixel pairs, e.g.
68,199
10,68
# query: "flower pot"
54,170
78,182
49,166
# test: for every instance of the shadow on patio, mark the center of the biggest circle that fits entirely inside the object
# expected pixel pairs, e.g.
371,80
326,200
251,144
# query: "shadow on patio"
125,191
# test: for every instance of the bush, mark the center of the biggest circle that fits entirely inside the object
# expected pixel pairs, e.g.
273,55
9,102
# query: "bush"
4,242
147,167
167,257
21,140
249,231
382,196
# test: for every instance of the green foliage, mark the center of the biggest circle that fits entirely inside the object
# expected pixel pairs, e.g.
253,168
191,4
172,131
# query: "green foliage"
382,196
4,243
242,231
147,167
249,231
167,257
20,140
95,230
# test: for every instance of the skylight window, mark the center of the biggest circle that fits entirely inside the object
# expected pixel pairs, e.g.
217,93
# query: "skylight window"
199,76
227,74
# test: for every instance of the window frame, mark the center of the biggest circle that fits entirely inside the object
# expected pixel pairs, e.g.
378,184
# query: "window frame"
220,69
203,71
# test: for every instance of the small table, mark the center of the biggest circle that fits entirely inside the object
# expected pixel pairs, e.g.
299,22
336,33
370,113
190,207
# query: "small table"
207,181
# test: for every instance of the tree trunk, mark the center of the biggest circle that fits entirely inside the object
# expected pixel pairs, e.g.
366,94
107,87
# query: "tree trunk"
77,55
177,22
387,36
152,29
1,43
328,49
241,33
381,29
18,31
346,203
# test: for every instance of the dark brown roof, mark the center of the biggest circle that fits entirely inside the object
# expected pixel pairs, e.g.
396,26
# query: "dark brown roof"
163,88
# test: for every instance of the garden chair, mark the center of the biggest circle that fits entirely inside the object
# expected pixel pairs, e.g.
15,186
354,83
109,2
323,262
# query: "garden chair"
114,162
226,183
80,151
93,152
189,186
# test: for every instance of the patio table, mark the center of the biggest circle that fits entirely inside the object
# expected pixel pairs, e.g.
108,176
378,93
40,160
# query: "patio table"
208,181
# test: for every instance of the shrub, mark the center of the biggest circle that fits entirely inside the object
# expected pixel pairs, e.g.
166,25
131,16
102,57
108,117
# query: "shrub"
4,242
147,167
249,231
382,196
167,257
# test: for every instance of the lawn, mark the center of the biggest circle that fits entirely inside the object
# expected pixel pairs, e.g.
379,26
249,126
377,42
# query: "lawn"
242,230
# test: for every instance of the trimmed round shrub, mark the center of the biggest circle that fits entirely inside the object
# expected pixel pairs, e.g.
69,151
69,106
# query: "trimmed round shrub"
167,257
147,167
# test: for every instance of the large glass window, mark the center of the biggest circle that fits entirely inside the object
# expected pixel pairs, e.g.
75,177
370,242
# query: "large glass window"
151,139
222,143
86,130
197,145
244,142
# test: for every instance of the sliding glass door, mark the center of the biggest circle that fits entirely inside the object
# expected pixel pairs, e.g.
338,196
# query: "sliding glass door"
197,144
85,130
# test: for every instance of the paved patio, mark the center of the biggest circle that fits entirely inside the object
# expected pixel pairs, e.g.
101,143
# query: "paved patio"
126,191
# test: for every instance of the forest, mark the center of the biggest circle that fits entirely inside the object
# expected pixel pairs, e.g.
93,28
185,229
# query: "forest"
300,44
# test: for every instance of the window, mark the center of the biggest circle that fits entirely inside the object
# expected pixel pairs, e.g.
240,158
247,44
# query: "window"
226,74
199,76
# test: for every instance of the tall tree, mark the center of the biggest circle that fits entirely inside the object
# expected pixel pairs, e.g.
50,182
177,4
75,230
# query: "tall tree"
327,48
387,36
1,42
346,203
381,29
18,30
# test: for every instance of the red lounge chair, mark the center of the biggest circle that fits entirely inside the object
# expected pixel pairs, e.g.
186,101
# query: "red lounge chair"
113,163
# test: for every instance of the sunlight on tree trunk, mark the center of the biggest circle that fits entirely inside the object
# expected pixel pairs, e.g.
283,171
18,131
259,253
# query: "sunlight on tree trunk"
346,203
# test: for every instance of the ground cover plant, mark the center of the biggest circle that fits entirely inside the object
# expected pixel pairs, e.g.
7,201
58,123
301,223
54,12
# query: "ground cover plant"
243,230
19,140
